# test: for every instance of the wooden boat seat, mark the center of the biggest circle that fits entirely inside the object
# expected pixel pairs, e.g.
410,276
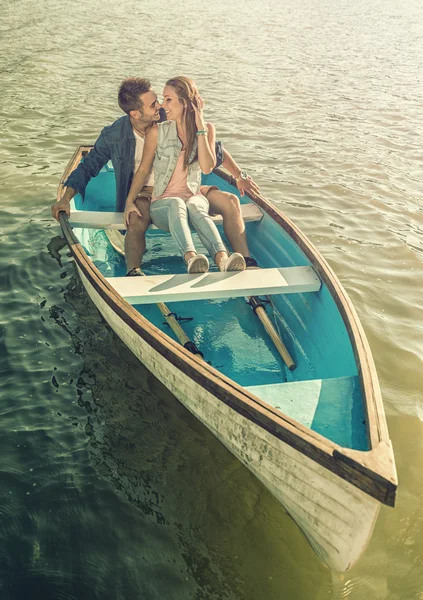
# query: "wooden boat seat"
207,286
114,220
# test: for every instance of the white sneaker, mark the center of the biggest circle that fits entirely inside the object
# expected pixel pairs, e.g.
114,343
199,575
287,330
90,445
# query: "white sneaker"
198,264
234,262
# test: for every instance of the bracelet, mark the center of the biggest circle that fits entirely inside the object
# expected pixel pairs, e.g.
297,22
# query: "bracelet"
202,132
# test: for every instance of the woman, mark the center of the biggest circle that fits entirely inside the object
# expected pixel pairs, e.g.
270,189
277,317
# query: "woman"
182,148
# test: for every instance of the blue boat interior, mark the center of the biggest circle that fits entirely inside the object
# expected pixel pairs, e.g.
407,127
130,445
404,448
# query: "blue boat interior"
323,392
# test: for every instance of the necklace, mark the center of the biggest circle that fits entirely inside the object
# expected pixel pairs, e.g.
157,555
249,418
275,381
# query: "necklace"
140,133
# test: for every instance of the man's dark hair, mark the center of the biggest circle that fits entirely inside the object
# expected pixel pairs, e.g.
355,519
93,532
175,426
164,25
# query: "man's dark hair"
130,91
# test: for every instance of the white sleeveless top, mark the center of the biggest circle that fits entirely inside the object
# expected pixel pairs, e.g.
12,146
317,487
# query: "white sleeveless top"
139,149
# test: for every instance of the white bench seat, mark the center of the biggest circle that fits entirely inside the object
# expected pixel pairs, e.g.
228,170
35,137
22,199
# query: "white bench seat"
207,286
114,220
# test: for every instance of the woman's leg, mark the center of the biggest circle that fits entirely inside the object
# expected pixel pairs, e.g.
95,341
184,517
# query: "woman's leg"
170,214
227,205
198,212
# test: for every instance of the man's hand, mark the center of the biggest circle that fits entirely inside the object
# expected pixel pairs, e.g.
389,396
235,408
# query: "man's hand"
63,204
247,185
129,208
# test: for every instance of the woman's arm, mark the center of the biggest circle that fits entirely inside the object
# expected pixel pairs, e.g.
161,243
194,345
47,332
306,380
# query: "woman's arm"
206,149
206,137
142,173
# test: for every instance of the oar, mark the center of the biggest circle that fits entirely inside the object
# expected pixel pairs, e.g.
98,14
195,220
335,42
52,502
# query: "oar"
258,309
177,329
116,240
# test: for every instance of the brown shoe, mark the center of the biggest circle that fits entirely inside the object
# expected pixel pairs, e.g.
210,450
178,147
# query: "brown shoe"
135,272
251,263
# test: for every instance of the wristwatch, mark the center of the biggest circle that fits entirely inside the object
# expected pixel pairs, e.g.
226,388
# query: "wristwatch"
242,175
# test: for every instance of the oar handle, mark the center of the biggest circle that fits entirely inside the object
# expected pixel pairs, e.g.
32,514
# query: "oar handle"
177,330
258,308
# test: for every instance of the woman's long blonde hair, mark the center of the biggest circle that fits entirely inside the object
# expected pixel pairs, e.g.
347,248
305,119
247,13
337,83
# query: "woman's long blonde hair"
188,95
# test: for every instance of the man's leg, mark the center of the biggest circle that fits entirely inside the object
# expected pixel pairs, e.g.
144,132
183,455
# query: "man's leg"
227,205
135,236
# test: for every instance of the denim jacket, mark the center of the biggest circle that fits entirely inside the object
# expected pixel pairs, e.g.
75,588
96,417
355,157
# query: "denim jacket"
166,157
116,142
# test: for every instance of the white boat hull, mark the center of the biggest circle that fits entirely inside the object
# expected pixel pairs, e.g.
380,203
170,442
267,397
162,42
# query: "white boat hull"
336,517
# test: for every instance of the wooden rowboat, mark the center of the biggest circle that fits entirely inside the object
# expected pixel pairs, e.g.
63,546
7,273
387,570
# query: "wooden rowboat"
316,434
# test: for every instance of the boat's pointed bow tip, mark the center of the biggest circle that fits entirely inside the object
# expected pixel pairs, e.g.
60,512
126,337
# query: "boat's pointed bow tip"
375,468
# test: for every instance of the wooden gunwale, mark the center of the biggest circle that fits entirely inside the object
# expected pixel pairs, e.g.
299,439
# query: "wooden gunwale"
373,471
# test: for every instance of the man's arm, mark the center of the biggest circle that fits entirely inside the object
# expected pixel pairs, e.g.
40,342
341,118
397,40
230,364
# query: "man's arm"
89,167
243,185
218,150
63,203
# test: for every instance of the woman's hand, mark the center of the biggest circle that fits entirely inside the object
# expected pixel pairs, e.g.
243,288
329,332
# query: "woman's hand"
197,106
129,208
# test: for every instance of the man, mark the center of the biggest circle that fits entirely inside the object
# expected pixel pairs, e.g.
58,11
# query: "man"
123,144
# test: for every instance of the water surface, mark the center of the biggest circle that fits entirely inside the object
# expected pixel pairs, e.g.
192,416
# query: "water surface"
110,489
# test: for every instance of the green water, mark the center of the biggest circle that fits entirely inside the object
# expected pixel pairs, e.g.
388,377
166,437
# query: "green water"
109,488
